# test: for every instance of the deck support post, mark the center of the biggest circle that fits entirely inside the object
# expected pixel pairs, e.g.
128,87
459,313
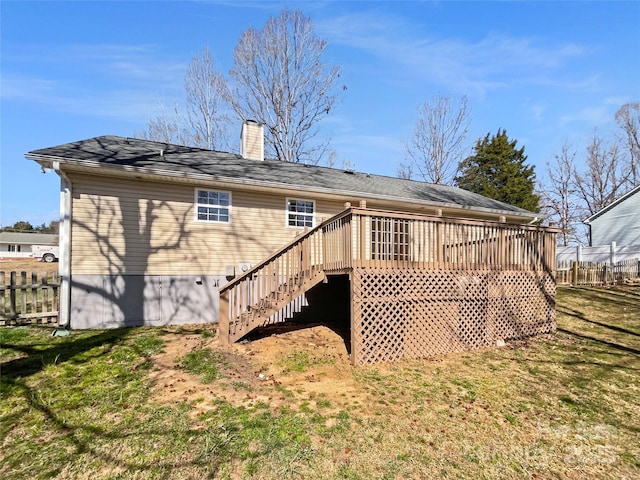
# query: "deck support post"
353,322
363,239
223,320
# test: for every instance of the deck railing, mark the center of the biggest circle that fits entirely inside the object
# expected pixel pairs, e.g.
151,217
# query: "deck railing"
367,238
398,240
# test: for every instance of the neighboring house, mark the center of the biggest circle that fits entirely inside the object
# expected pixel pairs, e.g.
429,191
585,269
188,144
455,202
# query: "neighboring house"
618,222
18,244
151,232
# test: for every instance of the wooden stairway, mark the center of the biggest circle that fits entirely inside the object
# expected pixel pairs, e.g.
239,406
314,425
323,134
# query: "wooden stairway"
254,298
259,314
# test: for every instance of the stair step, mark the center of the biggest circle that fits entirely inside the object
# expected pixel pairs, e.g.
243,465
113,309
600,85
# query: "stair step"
272,303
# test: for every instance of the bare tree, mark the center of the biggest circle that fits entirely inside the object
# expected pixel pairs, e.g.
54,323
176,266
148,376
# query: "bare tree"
558,196
165,127
628,118
204,123
605,176
436,145
405,171
205,89
333,161
281,81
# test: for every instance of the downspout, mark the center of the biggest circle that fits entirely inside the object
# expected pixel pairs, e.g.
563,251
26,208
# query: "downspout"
588,224
64,266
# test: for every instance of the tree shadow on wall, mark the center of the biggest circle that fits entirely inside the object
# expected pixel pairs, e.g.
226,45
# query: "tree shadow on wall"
122,240
118,241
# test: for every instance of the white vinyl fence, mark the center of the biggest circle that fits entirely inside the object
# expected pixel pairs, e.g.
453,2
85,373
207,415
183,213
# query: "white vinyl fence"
611,254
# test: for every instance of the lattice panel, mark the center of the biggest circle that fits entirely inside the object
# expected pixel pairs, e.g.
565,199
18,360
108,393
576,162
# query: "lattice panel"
521,306
413,314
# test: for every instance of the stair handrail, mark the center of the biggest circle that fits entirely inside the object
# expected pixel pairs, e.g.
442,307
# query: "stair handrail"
314,268
299,238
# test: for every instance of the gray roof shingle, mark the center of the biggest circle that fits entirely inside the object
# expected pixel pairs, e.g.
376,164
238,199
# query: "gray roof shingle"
146,155
28,238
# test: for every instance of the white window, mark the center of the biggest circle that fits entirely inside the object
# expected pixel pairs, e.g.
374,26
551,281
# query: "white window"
213,206
300,212
14,248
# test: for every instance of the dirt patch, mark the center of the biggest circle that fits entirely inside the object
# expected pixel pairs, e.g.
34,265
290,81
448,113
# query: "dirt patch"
27,265
309,365
320,354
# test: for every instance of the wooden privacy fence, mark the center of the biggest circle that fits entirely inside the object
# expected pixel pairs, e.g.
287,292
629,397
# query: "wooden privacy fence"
420,285
27,298
596,274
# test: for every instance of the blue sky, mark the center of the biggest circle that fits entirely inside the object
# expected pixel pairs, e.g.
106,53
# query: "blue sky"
544,71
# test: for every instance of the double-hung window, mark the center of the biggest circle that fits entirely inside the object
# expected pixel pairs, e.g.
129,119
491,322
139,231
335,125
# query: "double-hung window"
213,206
300,212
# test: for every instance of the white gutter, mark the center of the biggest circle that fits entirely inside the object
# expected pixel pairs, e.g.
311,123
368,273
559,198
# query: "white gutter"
64,266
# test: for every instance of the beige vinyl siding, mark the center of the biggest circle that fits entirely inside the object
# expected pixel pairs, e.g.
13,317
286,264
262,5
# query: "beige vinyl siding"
253,143
129,227
125,226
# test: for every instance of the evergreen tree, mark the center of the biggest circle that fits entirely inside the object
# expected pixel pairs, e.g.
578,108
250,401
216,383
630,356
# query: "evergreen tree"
498,171
20,226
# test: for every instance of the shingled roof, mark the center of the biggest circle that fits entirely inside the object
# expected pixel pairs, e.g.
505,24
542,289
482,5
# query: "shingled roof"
136,155
28,238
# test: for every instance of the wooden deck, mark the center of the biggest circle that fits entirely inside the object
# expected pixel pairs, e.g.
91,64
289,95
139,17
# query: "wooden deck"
420,285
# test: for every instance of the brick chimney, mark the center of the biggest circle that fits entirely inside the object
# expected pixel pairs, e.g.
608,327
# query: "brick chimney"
252,140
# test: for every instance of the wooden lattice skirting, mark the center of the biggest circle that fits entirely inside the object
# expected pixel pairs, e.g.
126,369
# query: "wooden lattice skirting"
418,314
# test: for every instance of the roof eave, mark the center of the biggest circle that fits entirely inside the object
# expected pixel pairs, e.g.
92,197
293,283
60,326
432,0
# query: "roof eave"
42,160
47,161
613,204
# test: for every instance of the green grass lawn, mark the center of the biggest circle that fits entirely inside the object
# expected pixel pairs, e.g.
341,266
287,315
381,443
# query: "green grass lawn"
565,405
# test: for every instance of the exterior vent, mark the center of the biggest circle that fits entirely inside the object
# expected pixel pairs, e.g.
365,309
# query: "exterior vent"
244,267
252,140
